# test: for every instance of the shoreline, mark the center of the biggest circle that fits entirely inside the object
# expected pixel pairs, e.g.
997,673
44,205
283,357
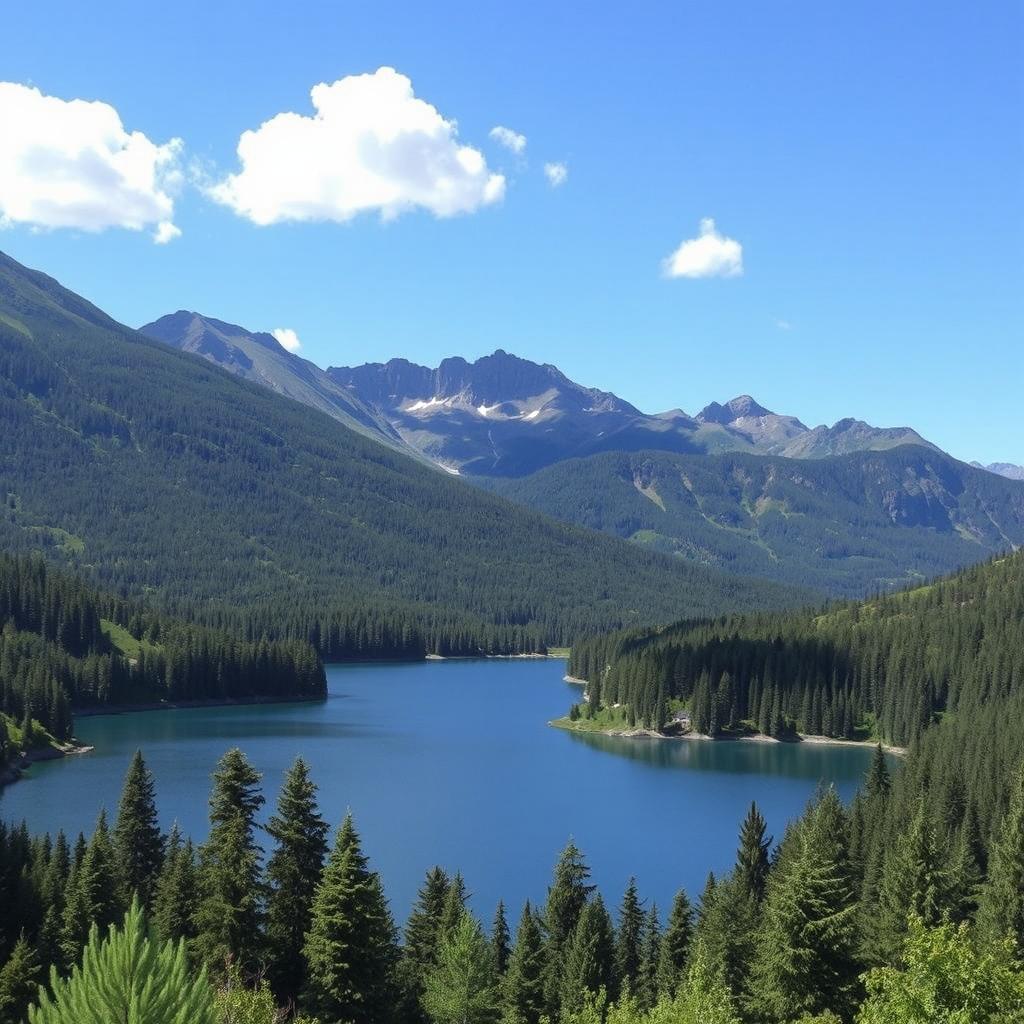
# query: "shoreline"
652,734
482,657
188,705
16,771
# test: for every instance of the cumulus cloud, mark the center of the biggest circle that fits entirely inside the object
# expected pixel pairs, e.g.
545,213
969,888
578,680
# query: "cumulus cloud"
72,164
508,138
287,338
556,174
371,145
709,255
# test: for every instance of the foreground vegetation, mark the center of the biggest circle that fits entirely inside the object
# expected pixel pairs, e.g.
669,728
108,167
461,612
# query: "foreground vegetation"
215,934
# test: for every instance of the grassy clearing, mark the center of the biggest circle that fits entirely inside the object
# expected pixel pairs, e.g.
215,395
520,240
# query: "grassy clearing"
125,642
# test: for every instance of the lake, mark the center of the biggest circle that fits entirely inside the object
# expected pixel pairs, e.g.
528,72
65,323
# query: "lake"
453,763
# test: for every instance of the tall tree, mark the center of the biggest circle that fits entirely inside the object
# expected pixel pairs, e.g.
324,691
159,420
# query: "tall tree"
229,914
138,841
351,950
588,963
752,856
523,985
628,939
293,872
93,893
463,986
675,945
174,902
500,940
650,956
1001,909
18,982
567,897
421,941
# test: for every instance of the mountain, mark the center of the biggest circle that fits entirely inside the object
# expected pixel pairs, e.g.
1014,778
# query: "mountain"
507,417
1007,469
259,357
845,525
156,473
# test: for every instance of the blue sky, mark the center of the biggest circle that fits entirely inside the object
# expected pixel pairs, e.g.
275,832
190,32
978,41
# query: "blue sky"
866,157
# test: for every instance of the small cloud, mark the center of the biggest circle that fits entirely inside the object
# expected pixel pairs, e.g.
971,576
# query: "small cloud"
370,144
72,164
556,174
508,138
287,338
783,325
708,255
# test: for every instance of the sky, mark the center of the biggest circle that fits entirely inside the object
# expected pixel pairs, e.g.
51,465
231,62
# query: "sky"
818,204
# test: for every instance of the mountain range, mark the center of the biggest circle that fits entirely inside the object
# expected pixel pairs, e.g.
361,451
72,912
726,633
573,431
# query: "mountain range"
506,416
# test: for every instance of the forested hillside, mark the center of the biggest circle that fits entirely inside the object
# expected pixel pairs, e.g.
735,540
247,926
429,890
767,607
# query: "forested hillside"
848,526
63,645
156,473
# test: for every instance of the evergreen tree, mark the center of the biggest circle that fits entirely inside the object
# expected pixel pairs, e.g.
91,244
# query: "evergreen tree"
174,901
1001,909
588,962
675,945
93,893
127,977
523,986
350,950
293,872
463,987
878,781
650,956
453,908
628,939
421,941
567,897
228,916
500,940
18,982
138,842
703,996
805,957
752,856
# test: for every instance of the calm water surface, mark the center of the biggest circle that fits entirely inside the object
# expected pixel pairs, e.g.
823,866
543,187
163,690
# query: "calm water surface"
453,763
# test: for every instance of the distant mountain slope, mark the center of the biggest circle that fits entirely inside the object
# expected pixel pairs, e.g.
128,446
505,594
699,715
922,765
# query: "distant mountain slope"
259,357
1007,469
158,473
846,525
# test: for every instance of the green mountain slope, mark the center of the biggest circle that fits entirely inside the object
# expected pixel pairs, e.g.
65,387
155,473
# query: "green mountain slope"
847,525
161,474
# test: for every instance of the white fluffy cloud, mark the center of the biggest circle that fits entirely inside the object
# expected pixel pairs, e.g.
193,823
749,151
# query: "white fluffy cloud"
556,174
708,255
508,138
71,164
287,338
370,145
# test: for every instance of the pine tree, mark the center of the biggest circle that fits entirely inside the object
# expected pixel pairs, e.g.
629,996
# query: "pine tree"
127,977
138,842
703,996
567,897
293,872
805,957
421,941
650,956
453,908
175,899
351,951
675,945
463,987
500,939
752,856
1001,909
628,938
18,982
523,986
588,962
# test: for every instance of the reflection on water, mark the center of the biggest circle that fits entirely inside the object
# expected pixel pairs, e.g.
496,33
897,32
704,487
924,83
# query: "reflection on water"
453,763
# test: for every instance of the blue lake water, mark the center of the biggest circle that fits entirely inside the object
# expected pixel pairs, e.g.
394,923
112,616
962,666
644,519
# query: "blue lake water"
453,763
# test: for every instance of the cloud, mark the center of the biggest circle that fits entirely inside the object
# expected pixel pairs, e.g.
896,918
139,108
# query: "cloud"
287,338
508,138
556,174
783,325
371,145
71,164
709,255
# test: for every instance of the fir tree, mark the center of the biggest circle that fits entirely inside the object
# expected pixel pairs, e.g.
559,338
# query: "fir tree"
523,985
421,940
453,908
567,897
703,996
1001,910
18,982
93,893
588,962
628,939
650,956
293,872
138,842
174,902
752,856
675,945
500,939
463,987
228,916
351,949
